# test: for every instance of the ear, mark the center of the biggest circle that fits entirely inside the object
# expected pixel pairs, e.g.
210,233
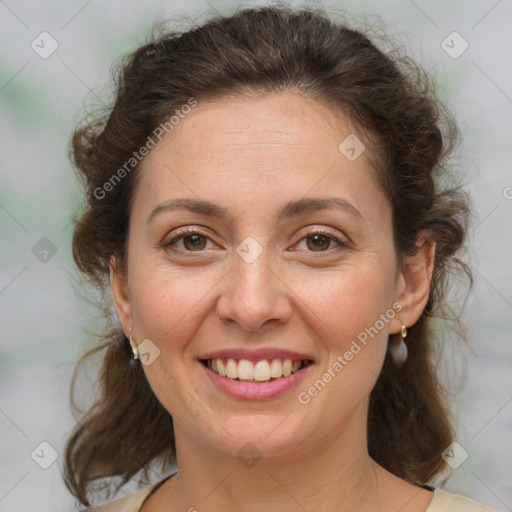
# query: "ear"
413,284
121,296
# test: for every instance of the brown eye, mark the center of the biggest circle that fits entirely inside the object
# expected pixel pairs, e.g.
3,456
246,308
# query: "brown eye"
194,242
318,242
188,241
321,242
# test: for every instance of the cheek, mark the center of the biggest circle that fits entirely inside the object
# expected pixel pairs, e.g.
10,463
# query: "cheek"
168,305
169,308
347,300
346,308
345,314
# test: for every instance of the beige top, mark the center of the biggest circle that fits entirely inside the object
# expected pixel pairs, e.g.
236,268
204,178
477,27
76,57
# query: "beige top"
442,501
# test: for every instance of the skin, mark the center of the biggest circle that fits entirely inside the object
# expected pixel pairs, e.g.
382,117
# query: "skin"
251,155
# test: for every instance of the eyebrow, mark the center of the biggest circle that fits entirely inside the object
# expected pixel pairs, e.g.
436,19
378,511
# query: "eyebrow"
290,209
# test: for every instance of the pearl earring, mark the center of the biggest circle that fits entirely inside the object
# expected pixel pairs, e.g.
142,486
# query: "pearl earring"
398,349
135,350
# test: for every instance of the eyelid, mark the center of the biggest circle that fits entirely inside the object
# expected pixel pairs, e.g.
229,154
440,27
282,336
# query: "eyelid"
188,230
302,235
311,231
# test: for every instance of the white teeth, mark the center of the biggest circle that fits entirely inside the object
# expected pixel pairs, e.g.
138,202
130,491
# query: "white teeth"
221,369
245,369
276,368
231,369
287,367
260,371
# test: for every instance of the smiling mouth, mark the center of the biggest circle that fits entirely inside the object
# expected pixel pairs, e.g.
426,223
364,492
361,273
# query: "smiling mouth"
266,370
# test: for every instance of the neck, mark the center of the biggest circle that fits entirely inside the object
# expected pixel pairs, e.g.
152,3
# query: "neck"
335,474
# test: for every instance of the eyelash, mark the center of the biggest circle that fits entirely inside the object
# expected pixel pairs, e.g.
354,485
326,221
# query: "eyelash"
194,231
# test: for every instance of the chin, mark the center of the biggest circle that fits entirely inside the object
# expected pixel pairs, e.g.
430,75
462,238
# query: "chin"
260,435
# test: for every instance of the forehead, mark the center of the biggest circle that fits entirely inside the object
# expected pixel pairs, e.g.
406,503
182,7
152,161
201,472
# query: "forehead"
256,150
241,122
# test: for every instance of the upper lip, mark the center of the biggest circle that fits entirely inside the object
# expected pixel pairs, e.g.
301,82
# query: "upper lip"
256,354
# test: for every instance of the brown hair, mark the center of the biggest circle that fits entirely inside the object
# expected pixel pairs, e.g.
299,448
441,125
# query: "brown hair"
265,50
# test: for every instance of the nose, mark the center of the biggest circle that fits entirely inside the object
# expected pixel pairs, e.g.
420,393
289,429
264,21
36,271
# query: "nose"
254,297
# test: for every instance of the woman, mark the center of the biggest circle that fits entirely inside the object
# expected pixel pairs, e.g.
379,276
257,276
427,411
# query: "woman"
264,201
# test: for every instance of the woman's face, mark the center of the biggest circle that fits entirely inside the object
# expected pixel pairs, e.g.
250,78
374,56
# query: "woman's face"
240,271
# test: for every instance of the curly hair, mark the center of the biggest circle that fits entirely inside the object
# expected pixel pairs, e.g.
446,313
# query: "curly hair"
390,98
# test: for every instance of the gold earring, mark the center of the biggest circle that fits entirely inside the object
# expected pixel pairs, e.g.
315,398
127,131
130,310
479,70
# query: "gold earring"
135,350
398,349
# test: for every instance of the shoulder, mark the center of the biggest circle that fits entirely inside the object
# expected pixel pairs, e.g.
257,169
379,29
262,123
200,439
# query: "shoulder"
444,501
130,503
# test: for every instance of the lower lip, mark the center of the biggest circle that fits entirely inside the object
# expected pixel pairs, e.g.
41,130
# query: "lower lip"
255,390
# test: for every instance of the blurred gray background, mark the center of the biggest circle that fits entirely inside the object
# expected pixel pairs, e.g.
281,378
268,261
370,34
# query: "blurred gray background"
45,317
